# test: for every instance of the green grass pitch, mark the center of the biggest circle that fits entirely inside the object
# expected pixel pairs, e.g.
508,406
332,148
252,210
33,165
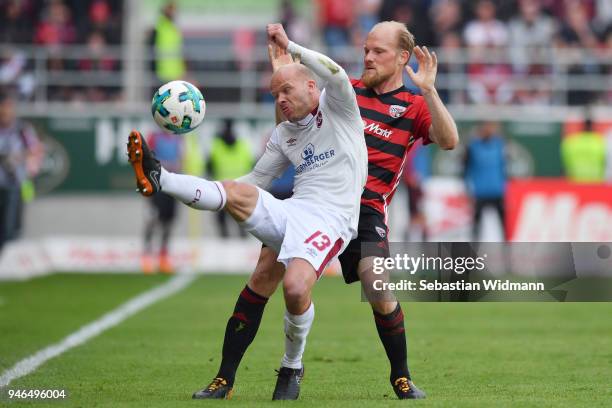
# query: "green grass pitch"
461,354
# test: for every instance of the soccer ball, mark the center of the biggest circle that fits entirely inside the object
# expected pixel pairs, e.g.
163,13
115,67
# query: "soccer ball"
178,107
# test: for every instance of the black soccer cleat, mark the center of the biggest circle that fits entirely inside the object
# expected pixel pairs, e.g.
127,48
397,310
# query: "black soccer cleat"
217,389
288,383
405,389
146,167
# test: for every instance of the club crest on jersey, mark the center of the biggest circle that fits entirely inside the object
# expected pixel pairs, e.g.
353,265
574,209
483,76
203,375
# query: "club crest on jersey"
381,231
396,111
291,142
308,152
319,119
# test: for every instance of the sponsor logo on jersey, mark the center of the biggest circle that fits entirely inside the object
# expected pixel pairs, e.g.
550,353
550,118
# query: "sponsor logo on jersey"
396,110
376,129
291,142
313,160
308,152
381,231
319,119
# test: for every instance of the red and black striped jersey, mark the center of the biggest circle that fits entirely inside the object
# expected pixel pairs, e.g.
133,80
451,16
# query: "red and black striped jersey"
392,122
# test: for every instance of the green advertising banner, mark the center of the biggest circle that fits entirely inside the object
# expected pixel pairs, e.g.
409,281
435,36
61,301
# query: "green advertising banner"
88,154
533,149
82,155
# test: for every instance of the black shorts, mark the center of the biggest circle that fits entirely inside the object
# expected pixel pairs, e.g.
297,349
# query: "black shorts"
371,229
165,207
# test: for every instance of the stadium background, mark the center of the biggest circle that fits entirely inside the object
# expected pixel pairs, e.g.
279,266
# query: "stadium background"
82,73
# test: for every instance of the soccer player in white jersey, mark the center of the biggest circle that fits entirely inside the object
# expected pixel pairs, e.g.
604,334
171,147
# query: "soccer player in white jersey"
382,98
323,139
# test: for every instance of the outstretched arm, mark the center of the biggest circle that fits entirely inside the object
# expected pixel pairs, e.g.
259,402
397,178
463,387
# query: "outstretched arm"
338,85
443,130
269,166
277,59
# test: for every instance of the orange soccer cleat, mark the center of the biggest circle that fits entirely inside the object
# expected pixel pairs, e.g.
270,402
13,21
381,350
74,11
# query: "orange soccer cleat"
146,167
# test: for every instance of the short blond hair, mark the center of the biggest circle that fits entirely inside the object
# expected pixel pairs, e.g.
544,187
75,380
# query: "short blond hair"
405,39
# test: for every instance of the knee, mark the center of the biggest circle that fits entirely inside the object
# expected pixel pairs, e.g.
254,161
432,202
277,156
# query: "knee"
267,276
383,307
263,280
295,290
238,192
240,198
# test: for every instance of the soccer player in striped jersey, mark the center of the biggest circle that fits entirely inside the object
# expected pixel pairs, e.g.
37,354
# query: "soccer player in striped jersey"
393,119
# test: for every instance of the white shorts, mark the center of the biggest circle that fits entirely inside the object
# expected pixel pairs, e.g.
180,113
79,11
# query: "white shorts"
298,229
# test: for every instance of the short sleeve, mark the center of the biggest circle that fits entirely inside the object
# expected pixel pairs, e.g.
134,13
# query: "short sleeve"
422,121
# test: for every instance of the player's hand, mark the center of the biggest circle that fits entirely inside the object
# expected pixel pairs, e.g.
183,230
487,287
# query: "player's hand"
425,77
277,35
278,57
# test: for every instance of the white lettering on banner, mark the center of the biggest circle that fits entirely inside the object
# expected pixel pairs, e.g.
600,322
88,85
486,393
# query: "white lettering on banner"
538,219
104,141
111,136
560,218
593,221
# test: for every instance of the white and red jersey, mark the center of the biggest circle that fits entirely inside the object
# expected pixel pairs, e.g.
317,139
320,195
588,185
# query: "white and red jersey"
326,148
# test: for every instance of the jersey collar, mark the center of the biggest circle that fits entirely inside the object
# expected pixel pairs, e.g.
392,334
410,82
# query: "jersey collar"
308,119
400,89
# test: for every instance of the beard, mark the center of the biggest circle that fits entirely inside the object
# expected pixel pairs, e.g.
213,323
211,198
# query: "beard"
372,78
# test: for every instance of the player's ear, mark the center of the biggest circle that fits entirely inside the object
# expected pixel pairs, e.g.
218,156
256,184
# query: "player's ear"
404,56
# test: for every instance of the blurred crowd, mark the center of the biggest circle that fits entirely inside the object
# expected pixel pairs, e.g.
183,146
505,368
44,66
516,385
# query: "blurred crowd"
491,51
511,45
92,24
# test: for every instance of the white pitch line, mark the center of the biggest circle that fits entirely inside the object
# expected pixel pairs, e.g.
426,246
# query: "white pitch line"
87,332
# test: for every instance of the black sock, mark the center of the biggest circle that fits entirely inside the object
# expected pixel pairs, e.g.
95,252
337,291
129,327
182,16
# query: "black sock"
390,329
240,331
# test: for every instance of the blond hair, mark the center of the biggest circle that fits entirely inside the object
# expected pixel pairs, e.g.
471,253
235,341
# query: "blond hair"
405,39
